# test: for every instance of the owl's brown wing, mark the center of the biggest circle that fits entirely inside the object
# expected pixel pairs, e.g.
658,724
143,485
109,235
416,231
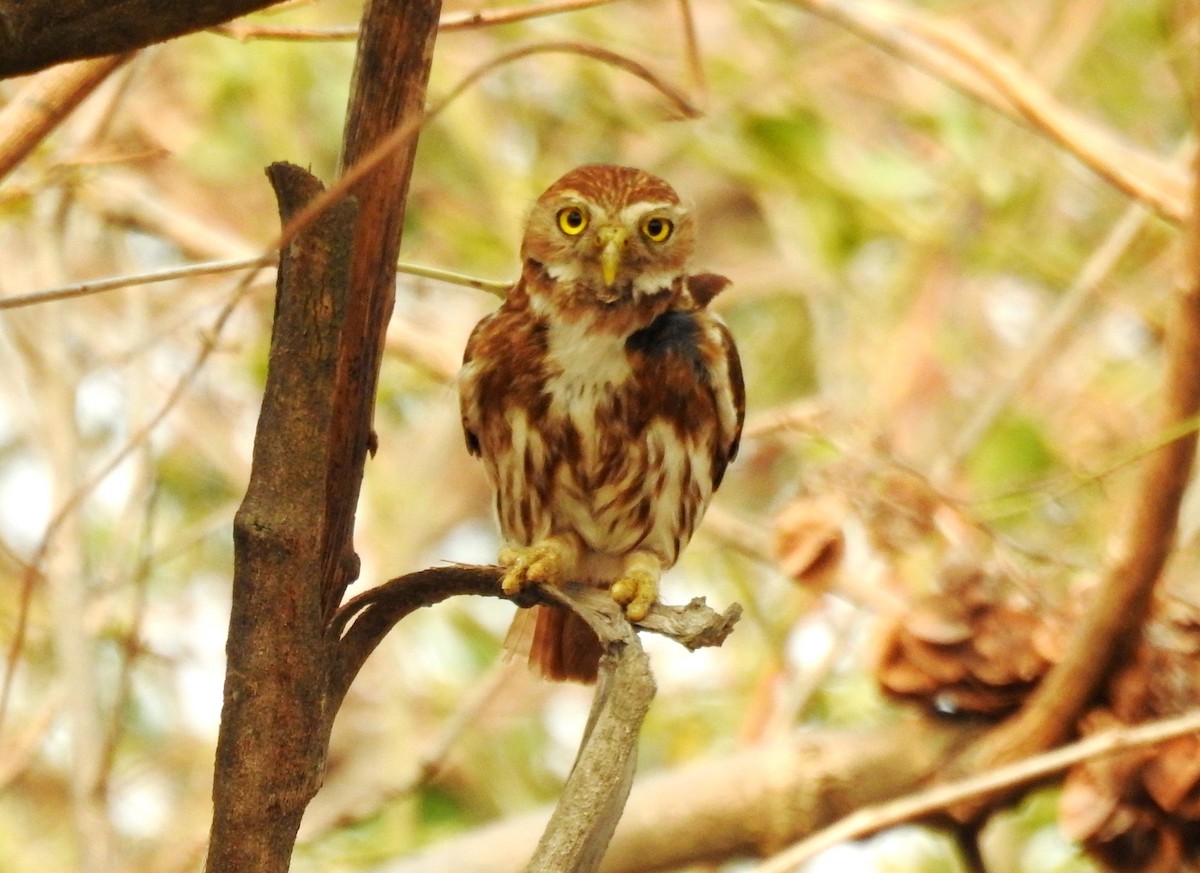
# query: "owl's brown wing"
503,368
730,392
468,386
690,374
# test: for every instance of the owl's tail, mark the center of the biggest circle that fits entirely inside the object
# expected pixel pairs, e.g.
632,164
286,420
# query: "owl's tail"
559,644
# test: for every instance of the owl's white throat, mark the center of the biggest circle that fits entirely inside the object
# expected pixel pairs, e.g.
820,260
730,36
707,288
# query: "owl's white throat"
585,362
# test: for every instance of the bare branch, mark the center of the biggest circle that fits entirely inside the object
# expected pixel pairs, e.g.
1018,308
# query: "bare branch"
84,289
44,102
751,802
363,621
246,31
35,34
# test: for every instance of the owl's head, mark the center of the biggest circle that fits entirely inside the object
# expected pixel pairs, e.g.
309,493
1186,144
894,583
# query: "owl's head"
610,234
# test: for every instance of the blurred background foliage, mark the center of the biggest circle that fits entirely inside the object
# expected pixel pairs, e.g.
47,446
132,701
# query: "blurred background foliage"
896,249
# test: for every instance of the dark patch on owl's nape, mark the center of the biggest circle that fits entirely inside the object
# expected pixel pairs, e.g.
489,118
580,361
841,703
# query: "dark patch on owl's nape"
473,446
675,332
705,286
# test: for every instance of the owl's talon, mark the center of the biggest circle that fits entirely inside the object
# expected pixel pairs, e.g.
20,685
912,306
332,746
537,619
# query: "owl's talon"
636,591
530,565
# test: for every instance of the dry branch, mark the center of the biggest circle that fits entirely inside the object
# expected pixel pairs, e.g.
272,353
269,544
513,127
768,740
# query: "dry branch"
749,803
35,34
471,20
391,72
276,718
864,822
44,102
577,836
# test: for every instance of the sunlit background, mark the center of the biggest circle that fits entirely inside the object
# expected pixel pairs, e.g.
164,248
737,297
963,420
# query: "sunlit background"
897,247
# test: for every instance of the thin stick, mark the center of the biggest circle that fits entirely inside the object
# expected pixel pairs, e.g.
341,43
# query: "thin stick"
691,47
244,32
208,268
83,289
874,818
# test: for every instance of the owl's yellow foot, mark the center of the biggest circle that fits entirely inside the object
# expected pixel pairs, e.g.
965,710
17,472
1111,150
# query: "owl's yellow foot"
636,588
541,564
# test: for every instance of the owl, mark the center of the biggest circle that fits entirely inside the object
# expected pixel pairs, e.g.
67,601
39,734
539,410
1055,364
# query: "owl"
605,401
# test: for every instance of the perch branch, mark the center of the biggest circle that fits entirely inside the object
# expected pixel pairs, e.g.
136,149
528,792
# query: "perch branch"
590,806
363,621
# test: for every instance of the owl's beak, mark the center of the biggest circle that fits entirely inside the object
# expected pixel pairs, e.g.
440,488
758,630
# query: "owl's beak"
612,242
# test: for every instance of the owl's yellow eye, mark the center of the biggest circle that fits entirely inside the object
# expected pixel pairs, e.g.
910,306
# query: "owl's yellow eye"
657,229
572,220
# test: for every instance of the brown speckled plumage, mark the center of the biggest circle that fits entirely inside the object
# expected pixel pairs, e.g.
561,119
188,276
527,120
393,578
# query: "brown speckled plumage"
605,411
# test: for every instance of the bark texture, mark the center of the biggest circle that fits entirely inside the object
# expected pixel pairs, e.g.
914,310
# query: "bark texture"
35,34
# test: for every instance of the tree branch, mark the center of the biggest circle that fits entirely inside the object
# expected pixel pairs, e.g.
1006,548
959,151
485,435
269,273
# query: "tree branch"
593,799
363,621
35,34
276,716
751,802
387,94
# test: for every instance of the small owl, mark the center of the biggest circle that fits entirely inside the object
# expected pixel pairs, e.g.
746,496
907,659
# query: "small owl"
605,401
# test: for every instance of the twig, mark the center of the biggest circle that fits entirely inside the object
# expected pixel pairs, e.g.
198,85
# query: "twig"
209,268
875,818
97,286
803,416
691,47
244,31
383,150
